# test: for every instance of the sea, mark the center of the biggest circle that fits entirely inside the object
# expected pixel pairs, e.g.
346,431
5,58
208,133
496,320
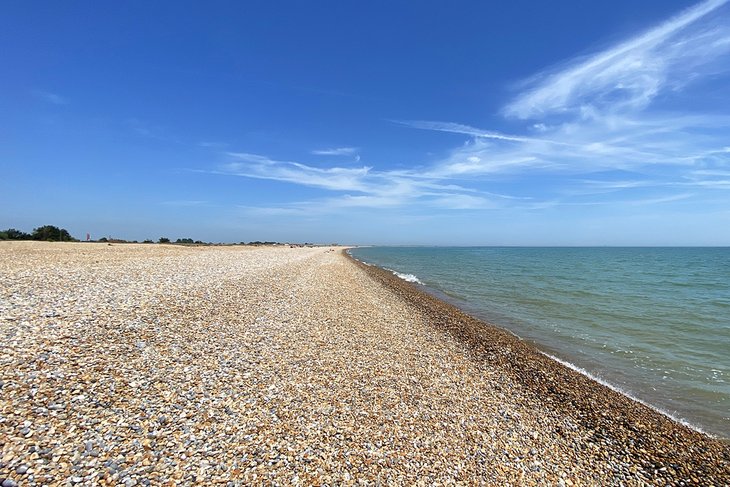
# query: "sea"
652,323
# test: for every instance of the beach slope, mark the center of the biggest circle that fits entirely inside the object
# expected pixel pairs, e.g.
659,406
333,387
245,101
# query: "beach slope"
164,365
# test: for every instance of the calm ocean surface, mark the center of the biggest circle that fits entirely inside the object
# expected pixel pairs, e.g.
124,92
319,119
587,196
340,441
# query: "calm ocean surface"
652,322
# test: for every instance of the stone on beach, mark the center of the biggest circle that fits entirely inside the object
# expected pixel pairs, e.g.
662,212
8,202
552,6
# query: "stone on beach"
163,365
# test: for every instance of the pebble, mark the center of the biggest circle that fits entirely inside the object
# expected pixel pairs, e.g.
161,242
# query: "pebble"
158,364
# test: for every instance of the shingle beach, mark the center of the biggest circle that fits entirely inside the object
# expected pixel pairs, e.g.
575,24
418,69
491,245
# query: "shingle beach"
172,365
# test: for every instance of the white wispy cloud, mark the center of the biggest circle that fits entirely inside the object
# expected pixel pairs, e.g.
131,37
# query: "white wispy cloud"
713,172
662,199
336,151
359,186
464,202
212,145
150,130
262,167
297,210
631,74
618,185
713,183
593,126
184,203
50,97
458,128
599,113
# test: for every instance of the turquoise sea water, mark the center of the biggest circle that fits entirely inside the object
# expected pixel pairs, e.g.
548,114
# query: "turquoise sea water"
651,322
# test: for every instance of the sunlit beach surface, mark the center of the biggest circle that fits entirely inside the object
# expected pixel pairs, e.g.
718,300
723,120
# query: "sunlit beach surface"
164,365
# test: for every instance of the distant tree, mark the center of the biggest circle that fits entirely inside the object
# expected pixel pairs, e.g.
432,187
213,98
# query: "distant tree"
51,233
148,241
163,240
184,240
13,234
103,239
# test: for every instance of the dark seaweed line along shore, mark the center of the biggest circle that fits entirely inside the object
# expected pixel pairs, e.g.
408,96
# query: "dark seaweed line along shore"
625,431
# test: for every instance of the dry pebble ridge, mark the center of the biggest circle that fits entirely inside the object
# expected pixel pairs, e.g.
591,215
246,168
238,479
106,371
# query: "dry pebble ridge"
167,365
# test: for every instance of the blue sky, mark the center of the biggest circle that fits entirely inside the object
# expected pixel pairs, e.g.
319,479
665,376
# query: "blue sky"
448,123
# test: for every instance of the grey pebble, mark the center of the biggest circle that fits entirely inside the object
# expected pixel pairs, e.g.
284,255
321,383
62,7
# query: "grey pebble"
21,469
289,336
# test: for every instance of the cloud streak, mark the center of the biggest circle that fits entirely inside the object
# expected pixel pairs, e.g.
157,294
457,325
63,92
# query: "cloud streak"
336,151
457,128
359,186
630,75
49,97
602,115
597,125
185,203
262,167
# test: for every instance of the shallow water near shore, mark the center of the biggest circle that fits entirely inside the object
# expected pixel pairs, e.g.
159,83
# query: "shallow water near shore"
651,322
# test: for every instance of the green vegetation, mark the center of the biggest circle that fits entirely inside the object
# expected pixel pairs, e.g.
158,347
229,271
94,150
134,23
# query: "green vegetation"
13,234
48,233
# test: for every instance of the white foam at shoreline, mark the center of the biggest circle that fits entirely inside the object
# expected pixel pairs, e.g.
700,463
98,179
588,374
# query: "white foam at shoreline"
408,277
582,371
405,277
